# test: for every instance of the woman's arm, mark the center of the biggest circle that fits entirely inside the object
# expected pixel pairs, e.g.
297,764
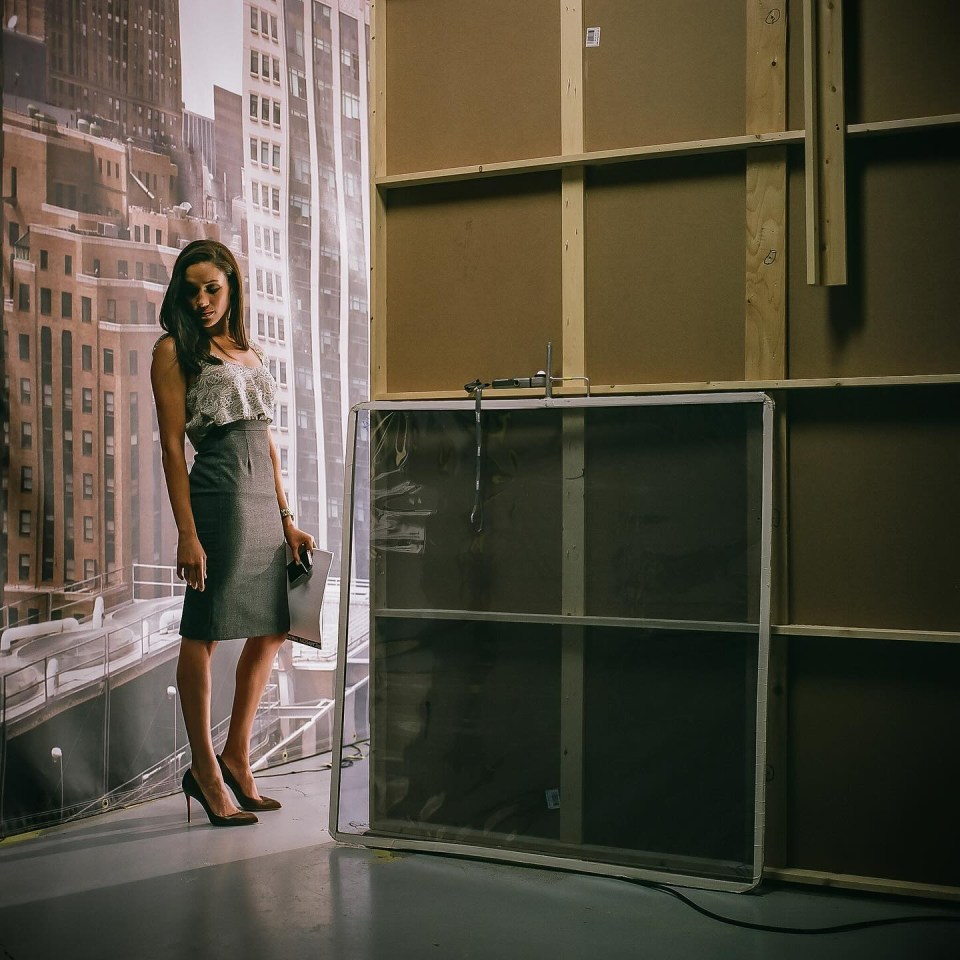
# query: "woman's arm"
295,537
170,392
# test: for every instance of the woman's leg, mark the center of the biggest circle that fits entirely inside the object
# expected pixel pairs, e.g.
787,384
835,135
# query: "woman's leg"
193,682
253,671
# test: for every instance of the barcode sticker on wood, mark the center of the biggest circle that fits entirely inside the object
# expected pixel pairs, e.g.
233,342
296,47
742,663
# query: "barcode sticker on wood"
593,36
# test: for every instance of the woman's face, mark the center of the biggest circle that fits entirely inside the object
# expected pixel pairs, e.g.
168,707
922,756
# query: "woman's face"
207,293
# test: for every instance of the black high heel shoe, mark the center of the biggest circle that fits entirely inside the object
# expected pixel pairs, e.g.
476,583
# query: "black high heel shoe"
192,790
247,803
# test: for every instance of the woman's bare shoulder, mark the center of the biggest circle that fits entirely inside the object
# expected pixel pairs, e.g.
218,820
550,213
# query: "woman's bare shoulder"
165,346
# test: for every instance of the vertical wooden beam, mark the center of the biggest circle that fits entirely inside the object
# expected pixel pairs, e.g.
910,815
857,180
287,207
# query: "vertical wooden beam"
766,103
824,142
765,339
572,220
573,359
378,206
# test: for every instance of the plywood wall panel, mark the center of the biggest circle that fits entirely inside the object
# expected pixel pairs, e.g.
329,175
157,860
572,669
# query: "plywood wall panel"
901,59
665,271
474,282
471,82
873,764
873,505
645,83
897,315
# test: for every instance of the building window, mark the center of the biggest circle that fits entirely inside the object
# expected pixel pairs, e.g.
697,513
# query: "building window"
26,522
275,202
265,109
254,56
89,569
86,309
284,416
24,302
271,323
24,341
281,330
26,479
351,106
68,265
87,443
87,400
66,305
276,156
261,328
26,435
26,390
122,269
254,106
108,404
86,356
88,486
88,529
24,566
283,373
46,301
134,362
253,148
276,113
44,259
107,361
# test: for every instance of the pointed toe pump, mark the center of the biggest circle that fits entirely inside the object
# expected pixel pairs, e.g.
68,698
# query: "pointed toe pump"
192,791
247,803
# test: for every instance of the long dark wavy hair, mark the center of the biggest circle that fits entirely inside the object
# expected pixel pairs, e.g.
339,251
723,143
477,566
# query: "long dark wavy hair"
177,317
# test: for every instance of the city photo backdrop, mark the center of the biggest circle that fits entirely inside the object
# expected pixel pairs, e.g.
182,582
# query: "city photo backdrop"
130,129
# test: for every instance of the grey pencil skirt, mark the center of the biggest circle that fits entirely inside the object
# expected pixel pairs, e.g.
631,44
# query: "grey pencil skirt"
234,500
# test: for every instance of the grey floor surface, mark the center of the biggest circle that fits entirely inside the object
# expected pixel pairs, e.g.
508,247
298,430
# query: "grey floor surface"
141,883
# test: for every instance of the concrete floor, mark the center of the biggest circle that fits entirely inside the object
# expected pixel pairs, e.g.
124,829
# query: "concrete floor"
142,884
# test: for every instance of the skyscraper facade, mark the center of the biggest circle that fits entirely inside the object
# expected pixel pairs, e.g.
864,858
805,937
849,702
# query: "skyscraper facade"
305,93
117,62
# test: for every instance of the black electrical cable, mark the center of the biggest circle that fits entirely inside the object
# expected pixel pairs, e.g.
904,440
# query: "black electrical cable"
802,931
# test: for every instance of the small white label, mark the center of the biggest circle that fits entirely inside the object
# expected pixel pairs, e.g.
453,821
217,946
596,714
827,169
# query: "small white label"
553,799
593,36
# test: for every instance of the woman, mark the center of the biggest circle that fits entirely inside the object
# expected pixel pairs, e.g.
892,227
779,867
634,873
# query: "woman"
211,386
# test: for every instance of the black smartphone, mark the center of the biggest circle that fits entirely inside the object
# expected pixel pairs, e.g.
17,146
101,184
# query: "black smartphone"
299,568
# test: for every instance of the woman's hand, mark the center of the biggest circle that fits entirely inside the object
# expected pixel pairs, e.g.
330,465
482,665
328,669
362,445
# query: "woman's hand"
191,561
297,538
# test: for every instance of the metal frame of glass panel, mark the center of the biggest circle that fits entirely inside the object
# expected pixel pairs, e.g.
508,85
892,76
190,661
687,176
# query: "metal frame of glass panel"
534,857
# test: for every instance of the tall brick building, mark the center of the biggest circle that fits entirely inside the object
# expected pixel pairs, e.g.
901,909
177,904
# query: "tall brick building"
90,237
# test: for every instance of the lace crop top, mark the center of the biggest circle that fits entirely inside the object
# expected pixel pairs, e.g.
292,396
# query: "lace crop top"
225,392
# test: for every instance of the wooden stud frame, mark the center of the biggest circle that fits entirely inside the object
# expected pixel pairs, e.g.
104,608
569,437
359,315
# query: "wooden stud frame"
764,143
